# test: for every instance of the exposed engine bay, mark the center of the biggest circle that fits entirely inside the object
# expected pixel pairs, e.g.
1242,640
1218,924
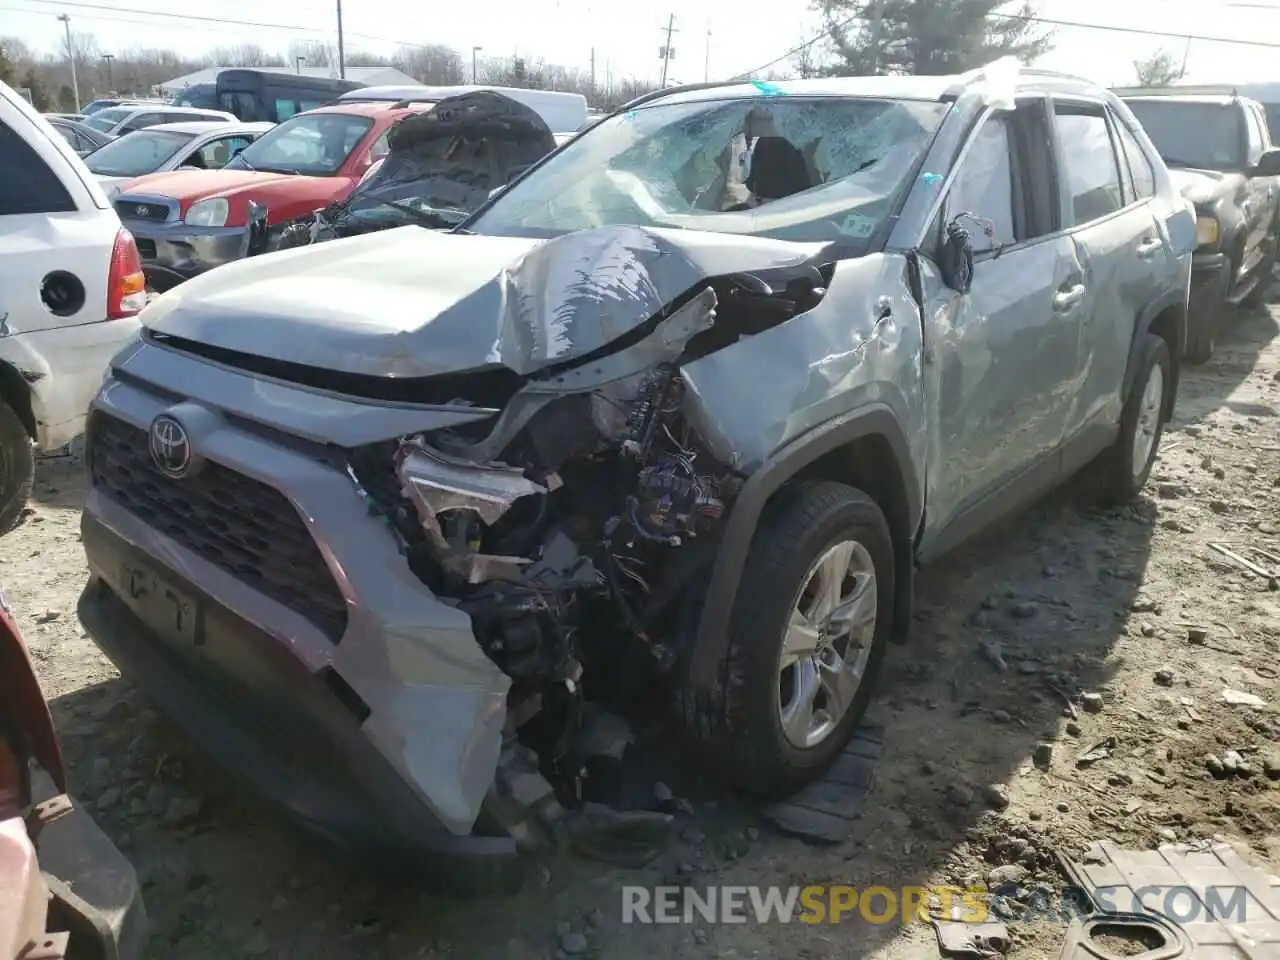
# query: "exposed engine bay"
572,526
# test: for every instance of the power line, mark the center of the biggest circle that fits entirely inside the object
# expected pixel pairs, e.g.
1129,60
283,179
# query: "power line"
290,28
176,16
1046,21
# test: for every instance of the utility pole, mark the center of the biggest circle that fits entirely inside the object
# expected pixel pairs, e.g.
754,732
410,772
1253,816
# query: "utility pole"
474,51
71,55
342,51
666,51
297,64
108,57
1186,55
593,71
706,59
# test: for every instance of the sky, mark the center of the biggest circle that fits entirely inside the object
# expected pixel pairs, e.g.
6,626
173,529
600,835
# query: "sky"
715,38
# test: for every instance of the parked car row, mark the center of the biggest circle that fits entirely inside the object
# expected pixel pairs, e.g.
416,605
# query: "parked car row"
1218,147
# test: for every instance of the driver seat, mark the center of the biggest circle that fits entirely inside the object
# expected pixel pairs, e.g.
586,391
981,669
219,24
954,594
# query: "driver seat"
778,169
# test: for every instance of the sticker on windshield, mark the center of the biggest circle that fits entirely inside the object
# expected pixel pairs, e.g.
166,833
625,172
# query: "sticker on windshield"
931,179
856,225
768,89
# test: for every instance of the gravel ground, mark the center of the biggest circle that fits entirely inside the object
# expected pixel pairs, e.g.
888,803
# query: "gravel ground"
1129,614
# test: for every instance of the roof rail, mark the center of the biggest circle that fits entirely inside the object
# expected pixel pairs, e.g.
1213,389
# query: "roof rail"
1055,74
1210,90
683,88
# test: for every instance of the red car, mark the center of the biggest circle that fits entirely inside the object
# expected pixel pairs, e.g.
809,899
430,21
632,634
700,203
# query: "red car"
189,221
65,890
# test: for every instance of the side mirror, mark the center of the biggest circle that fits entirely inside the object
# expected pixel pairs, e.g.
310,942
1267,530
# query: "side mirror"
955,260
1268,165
236,152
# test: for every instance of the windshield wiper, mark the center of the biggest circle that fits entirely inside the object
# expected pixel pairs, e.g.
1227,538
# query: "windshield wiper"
428,218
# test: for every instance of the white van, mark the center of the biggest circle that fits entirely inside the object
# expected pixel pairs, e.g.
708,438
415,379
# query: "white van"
562,112
71,286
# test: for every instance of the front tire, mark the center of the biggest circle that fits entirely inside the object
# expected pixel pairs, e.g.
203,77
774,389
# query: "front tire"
17,467
808,631
1202,337
1128,463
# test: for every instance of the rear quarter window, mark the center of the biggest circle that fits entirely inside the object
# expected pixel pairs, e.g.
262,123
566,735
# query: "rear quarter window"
28,185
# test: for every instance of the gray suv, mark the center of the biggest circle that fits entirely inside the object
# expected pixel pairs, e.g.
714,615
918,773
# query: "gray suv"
691,399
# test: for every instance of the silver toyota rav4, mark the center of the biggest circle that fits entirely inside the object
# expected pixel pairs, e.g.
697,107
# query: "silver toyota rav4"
379,521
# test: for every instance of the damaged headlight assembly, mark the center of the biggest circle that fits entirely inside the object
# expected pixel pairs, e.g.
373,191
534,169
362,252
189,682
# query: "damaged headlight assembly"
583,485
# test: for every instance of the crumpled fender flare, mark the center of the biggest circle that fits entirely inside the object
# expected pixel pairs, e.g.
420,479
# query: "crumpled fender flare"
1142,326
712,640
28,366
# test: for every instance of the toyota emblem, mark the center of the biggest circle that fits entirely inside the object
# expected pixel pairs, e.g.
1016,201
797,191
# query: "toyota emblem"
170,447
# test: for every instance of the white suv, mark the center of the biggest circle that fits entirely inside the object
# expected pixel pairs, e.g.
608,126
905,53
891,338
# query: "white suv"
71,284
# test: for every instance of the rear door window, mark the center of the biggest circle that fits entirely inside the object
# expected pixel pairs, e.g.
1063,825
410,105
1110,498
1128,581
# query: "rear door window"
285,109
1089,162
1144,175
28,185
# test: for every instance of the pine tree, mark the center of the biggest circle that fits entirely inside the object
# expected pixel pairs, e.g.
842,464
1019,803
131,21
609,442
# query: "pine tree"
928,37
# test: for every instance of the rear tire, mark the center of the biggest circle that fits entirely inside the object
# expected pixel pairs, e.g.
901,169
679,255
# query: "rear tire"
17,467
758,729
1127,465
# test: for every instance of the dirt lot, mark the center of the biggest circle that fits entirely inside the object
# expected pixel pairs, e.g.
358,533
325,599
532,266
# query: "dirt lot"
1128,613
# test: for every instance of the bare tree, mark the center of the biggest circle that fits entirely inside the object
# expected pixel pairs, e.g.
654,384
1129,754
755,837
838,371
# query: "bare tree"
243,55
434,64
1161,69
805,62
316,53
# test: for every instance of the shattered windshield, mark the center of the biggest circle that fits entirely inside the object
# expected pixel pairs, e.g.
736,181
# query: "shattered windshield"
315,144
1207,136
806,169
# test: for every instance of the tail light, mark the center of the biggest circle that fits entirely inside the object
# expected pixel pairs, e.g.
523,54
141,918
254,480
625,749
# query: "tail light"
126,283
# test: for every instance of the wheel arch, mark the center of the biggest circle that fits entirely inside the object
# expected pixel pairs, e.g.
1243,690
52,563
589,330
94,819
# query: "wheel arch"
1166,318
867,448
16,392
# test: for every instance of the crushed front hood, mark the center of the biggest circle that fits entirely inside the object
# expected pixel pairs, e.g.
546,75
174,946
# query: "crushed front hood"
411,302
453,157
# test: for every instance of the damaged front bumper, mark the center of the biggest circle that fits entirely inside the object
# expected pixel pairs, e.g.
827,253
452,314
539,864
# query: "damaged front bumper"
321,671
174,252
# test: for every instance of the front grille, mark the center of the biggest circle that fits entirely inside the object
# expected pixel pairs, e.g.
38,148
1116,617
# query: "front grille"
245,527
154,212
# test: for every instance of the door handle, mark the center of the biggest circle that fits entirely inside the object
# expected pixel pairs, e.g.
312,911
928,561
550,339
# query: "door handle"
1067,299
1150,247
